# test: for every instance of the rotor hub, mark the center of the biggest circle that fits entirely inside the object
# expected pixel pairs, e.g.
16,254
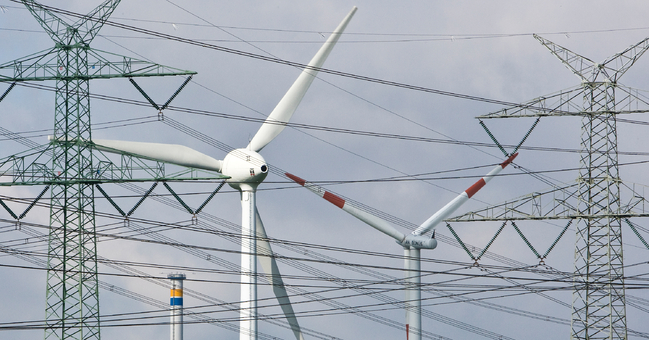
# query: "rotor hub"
244,167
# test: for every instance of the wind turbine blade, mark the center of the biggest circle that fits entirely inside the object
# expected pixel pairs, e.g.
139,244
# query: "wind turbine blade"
276,121
374,221
168,153
451,206
269,265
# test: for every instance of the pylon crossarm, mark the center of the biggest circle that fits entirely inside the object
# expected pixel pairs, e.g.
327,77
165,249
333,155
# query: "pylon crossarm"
631,100
581,66
619,63
555,104
637,204
89,25
31,168
55,27
105,181
101,67
106,169
28,166
31,67
561,204
43,65
83,30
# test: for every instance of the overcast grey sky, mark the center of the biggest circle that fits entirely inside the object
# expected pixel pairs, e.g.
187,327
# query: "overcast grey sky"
477,48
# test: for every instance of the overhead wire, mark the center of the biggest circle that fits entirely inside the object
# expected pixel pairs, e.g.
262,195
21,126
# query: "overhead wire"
262,50
111,125
326,128
337,130
282,61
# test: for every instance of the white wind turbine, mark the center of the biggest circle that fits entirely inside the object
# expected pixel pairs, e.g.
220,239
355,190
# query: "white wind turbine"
246,169
413,243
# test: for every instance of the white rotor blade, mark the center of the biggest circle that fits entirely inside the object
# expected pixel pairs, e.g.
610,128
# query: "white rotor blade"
269,265
168,153
374,221
451,206
276,121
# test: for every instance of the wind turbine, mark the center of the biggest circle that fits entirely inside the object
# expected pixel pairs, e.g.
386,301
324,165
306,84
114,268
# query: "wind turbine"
246,169
413,243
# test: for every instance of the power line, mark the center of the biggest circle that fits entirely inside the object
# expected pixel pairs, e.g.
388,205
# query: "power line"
288,63
332,129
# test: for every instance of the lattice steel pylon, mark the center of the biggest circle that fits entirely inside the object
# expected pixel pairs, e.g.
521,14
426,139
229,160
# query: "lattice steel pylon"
598,306
72,298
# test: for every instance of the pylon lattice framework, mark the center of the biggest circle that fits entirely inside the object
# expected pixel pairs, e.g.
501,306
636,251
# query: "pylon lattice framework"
72,298
598,306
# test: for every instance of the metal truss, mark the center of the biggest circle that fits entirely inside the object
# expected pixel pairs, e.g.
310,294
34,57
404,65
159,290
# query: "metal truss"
594,201
553,204
72,298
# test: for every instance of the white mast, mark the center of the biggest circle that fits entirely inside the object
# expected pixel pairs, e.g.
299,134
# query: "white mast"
176,305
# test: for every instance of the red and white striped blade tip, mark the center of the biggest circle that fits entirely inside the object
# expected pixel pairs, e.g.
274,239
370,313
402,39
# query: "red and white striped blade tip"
296,179
509,160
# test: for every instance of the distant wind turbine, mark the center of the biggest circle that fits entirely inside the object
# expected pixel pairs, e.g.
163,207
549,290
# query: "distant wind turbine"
413,243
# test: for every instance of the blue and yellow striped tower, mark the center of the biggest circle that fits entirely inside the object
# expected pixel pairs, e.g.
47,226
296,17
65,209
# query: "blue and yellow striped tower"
176,304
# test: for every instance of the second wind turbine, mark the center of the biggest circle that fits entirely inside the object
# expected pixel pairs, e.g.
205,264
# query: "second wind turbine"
413,243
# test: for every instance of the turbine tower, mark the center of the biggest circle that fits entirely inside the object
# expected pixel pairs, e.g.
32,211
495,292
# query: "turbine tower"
594,202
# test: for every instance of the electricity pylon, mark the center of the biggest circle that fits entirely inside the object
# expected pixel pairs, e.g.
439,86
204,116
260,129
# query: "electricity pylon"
598,306
72,299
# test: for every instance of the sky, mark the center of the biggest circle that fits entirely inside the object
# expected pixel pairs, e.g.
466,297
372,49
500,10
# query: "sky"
475,48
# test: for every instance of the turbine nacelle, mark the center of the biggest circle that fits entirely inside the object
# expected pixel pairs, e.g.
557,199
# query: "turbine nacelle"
245,168
419,242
